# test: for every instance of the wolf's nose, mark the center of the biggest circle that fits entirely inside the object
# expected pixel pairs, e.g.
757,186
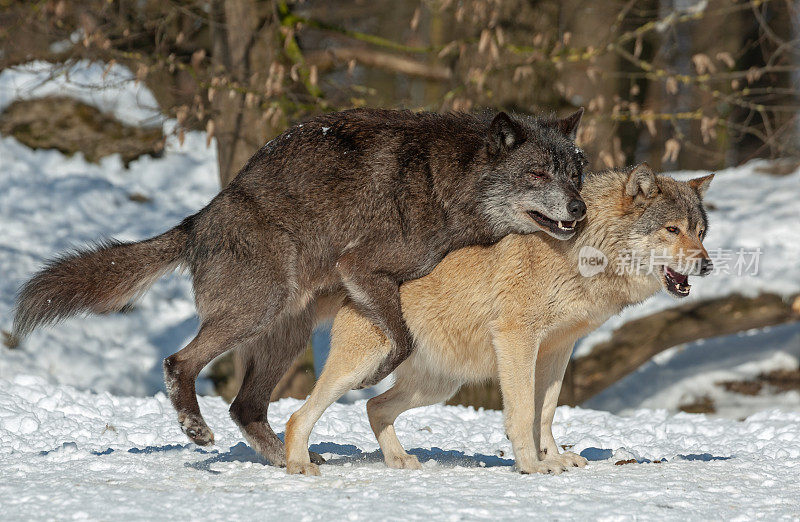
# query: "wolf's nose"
577,209
706,266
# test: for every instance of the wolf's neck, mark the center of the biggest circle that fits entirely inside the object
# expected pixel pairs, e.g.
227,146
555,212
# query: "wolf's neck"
602,241
465,217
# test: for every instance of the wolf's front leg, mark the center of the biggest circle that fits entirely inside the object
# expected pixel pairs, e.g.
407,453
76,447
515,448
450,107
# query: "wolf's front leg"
377,296
516,349
357,349
551,364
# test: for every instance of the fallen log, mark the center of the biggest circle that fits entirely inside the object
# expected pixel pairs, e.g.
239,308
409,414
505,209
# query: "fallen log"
637,341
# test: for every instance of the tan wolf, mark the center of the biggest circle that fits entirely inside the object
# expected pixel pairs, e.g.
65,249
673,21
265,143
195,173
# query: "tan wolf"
514,310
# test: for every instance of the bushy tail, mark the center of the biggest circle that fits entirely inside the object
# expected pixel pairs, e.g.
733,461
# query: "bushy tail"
100,279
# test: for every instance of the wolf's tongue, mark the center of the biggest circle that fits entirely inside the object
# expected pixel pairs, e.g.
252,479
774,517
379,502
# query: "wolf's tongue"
677,277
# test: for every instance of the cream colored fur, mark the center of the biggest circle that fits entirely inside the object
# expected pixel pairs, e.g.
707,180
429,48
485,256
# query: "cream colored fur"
511,311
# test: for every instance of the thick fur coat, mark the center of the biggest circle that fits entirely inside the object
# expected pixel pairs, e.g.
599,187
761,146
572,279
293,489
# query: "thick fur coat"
513,311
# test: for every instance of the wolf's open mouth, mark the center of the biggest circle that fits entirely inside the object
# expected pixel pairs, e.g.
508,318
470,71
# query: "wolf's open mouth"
551,225
676,283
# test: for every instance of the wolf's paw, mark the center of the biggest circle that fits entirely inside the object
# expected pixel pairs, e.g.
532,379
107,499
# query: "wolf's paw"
572,460
403,461
279,461
316,458
302,468
196,429
547,467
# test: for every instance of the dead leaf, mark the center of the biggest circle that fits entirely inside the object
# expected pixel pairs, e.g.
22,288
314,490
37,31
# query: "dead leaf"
486,38
209,132
671,150
198,57
703,64
672,85
415,19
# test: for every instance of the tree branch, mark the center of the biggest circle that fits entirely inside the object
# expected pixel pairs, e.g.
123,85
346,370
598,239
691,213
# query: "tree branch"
380,60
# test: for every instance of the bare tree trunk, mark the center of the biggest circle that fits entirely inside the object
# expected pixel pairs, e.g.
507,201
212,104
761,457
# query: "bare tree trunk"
244,39
244,43
597,135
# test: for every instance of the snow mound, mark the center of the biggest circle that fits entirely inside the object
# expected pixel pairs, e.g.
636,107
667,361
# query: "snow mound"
689,372
112,89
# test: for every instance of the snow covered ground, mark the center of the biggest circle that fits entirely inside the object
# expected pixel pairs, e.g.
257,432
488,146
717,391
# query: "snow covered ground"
82,416
71,454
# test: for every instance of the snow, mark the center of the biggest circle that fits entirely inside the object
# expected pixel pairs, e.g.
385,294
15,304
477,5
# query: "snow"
98,456
50,203
86,432
111,89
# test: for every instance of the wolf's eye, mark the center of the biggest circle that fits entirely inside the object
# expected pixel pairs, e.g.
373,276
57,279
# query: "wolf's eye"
538,174
701,233
673,230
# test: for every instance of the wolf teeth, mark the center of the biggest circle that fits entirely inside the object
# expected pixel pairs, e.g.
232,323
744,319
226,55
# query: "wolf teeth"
568,225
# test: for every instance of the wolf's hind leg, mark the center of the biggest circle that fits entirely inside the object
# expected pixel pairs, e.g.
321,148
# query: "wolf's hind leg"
181,370
377,297
348,364
550,367
264,362
413,388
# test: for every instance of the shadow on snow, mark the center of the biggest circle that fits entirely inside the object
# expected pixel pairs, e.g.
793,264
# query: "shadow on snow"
349,453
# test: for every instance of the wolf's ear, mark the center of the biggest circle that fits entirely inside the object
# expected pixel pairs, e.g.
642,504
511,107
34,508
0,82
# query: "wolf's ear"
700,185
569,125
504,134
641,183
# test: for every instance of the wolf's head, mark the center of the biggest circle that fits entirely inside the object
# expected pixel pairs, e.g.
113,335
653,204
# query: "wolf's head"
668,233
534,175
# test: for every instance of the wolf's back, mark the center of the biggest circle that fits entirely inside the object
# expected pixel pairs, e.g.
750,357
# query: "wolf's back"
99,279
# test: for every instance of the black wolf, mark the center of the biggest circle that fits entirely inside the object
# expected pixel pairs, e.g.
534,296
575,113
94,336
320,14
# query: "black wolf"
350,203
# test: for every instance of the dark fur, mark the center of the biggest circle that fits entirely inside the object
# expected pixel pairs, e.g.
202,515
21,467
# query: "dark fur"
353,202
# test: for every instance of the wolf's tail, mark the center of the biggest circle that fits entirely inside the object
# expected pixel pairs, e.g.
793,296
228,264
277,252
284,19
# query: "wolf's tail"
100,279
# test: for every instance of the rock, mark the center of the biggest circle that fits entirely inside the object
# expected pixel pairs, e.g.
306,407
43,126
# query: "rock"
72,126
